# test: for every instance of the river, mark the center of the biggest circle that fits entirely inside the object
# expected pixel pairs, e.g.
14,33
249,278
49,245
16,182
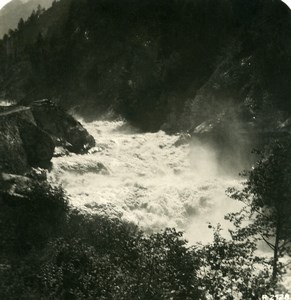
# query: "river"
144,178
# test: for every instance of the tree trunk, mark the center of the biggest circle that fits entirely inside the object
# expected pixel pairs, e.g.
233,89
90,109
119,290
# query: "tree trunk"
276,254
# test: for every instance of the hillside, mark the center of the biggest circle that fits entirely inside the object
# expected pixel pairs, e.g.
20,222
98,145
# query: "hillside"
166,64
12,12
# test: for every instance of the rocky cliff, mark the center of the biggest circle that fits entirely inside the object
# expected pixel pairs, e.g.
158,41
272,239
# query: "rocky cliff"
23,143
28,136
65,130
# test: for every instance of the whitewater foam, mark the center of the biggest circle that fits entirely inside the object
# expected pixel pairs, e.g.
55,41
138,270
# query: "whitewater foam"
144,178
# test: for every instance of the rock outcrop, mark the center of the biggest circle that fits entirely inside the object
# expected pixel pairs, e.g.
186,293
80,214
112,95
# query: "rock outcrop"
22,143
28,136
64,129
13,157
38,145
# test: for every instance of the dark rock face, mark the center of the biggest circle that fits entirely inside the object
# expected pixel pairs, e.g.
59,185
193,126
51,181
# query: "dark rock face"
65,130
13,157
22,143
28,136
38,144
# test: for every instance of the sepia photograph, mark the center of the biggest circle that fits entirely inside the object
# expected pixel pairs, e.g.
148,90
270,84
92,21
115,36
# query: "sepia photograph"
145,149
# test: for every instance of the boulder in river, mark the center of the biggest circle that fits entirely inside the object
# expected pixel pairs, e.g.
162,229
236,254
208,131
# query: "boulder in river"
65,130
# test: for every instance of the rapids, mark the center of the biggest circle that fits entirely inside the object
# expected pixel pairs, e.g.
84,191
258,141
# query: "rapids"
145,179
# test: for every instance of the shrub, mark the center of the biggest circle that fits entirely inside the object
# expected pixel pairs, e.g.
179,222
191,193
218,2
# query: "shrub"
29,222
112,259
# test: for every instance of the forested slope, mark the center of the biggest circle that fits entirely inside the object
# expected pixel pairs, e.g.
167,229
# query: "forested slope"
12,12
160,64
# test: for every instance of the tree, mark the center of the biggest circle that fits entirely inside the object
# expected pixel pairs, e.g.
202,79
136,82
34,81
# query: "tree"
267,198
230,269
20,24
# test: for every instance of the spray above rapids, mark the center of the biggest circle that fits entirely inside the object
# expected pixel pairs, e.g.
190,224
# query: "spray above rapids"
146,179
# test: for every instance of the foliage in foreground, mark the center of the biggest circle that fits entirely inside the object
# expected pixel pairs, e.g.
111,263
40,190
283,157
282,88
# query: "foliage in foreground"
52,252
28,222
114,260
67,255
231,270
267,198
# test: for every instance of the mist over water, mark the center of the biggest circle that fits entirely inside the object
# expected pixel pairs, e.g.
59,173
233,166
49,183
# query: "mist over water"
144,178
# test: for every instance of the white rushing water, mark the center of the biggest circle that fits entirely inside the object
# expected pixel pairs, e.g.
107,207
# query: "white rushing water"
4,102
144,178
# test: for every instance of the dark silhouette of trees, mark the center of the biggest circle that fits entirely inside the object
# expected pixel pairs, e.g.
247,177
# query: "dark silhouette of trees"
49,251
148,60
